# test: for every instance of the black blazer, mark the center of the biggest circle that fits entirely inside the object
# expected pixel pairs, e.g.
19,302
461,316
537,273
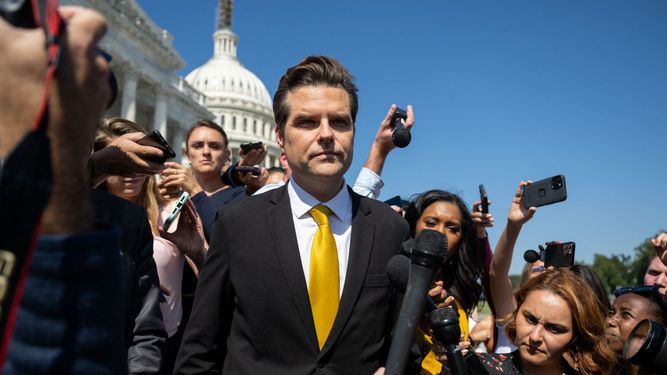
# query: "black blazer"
252,313
145,335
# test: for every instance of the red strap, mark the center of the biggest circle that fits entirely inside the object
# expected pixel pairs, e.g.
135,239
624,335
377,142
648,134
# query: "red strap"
45,13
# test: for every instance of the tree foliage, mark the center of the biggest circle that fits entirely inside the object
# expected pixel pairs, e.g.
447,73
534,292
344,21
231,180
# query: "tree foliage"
618,270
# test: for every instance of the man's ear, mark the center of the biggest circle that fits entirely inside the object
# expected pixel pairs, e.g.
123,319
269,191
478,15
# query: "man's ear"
279,138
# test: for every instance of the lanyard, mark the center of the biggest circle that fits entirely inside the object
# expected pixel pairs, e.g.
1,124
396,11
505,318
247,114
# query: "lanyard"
25,184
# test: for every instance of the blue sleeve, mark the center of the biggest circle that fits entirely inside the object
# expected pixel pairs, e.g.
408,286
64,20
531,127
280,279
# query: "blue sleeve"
70,319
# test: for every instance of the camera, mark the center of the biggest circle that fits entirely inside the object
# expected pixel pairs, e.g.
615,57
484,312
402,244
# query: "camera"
18,13
647,346
556,182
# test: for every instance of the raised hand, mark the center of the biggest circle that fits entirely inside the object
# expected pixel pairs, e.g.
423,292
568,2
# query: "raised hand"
189,235
518,214
176,178
660,246
481,220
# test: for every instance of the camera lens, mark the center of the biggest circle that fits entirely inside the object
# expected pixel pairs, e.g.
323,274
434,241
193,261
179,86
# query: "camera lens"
556,183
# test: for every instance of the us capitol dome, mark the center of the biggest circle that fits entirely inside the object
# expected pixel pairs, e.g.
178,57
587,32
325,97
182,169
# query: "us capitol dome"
238,99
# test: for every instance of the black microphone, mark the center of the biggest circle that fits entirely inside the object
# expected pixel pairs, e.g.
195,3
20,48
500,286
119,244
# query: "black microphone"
427,257
531,256
398,269
445,326
400,136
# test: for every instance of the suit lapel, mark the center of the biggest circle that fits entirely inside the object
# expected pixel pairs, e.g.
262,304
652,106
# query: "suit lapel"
361,246
287,249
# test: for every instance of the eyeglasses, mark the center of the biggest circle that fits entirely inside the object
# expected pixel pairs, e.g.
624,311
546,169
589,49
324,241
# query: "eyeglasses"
643,290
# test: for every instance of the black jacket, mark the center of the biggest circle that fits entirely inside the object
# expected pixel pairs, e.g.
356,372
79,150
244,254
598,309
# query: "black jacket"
252,313
144,330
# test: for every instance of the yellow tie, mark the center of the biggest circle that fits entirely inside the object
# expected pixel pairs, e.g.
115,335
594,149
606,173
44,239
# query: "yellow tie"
323,287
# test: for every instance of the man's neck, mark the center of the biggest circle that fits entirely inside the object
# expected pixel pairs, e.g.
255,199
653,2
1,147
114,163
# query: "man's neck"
322,191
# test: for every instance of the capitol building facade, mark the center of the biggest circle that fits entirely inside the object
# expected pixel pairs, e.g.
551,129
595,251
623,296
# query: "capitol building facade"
152,94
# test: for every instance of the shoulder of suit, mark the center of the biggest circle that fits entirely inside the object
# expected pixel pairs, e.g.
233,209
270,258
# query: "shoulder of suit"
381,209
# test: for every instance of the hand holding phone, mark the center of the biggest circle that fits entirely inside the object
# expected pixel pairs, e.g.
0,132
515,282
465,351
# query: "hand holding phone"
247,147
559,254
176,210
484,198
155,139
548,191
255,171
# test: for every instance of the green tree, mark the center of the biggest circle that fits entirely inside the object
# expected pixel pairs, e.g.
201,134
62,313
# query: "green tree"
614,271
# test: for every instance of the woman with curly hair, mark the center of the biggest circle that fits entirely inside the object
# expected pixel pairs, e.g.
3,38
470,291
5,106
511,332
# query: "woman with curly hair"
556,329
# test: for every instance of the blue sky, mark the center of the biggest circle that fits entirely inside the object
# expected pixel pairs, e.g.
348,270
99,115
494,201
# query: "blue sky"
502,90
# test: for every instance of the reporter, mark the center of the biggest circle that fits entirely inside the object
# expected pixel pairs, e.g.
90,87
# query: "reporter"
631,306
206,147
656,274
553,321
456,282
170,249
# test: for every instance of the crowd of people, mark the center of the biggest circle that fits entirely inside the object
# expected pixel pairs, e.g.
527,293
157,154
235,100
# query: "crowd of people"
288,266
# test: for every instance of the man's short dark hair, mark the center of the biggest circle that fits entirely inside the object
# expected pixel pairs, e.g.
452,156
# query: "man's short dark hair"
313,71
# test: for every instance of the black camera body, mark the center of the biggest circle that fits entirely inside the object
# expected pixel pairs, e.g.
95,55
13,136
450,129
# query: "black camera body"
18,13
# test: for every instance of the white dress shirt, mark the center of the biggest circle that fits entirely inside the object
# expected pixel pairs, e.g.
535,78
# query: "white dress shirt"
368,184
305,226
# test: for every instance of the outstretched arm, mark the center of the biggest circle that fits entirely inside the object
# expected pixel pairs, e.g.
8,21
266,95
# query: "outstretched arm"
501,286
368,182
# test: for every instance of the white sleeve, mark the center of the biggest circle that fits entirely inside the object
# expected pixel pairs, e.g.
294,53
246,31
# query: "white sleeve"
368,184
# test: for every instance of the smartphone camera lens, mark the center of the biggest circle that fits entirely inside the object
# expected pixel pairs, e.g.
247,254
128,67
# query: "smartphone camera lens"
556,182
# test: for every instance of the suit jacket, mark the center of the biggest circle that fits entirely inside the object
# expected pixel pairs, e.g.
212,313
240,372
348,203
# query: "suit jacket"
145,335
252,314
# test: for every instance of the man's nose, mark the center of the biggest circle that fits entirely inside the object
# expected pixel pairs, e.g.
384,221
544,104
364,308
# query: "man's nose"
326,133
662,279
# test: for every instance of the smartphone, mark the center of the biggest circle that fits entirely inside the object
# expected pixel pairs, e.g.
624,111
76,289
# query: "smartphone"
548,191
559,255
255,171
484,198
176,210
155,139
246,147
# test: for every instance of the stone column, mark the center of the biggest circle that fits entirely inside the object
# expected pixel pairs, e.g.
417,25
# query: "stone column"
129,103
178,146
160,114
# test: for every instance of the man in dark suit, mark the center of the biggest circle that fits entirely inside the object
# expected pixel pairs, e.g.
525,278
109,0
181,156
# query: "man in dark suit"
289,286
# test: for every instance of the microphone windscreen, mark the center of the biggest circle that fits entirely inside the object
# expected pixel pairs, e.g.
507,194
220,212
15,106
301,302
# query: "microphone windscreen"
444,315
431,242
531,256
401,138
398,270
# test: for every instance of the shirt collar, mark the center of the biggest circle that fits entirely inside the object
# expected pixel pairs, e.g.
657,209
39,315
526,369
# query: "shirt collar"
302,202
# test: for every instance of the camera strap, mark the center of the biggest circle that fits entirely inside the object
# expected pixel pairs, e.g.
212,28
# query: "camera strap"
25,184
